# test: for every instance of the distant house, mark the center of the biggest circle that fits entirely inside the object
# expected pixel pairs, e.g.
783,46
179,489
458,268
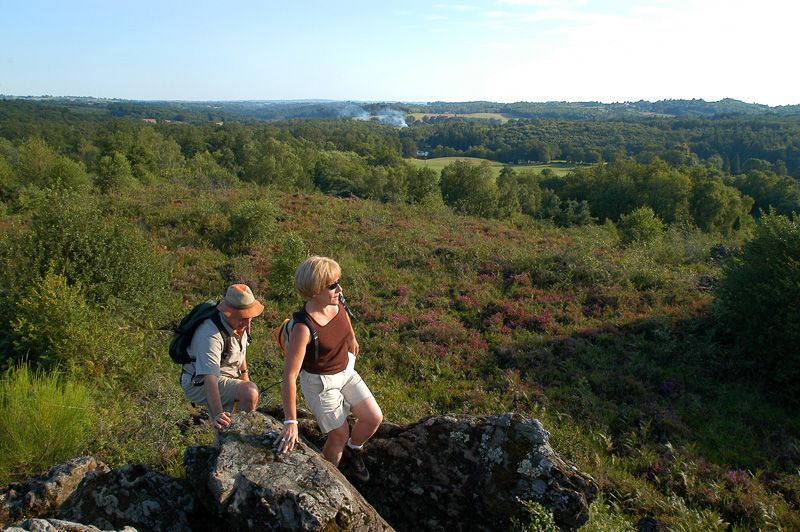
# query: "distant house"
149,120
422,154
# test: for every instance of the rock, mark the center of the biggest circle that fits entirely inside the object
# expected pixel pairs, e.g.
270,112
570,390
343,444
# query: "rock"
471,473
56,525
249,486
43,496
132,495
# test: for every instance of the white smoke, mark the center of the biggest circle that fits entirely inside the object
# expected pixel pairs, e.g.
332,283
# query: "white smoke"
393,117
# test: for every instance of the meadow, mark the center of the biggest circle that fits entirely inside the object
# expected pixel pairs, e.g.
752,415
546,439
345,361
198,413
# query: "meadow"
437,163
480,116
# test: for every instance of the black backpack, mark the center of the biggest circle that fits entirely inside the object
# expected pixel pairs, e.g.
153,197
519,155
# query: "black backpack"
183,333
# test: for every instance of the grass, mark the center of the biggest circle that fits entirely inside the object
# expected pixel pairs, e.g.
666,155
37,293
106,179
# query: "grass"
480,116
44,419
559,168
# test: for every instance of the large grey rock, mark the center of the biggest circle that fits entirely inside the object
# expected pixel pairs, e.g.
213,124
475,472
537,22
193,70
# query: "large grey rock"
44,495
249,486
132,495
471,473
55,525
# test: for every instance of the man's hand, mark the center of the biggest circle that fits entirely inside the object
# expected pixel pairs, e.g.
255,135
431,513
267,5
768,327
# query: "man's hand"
222,420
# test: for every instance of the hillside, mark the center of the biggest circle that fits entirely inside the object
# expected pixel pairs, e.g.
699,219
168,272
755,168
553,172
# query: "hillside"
609,346
640,298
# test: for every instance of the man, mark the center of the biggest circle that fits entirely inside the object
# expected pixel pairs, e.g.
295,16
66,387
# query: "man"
217,378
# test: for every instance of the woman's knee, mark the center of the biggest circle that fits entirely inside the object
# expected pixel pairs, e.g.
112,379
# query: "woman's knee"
340,434
369,412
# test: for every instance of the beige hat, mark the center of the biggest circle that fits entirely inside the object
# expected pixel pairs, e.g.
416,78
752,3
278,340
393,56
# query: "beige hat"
239,302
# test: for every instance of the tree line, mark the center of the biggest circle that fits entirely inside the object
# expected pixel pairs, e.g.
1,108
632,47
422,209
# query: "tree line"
633,165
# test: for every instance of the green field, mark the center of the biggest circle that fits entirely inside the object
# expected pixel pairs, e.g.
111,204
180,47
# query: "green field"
559,168
484,116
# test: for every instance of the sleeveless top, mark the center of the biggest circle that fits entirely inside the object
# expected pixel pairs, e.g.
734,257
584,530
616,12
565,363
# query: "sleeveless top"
332,346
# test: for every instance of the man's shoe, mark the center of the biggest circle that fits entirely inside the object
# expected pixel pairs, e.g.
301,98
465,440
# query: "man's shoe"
354,461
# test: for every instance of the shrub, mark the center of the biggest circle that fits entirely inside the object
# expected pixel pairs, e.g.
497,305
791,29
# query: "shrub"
110,258
54,327
284,263
252,224
759,299
540,519
640,225
114,173
39,165
43,420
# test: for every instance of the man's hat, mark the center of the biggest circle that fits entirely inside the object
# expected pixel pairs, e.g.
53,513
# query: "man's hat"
239,302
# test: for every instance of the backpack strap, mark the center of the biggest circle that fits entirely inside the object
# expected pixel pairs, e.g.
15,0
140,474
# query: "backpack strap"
227,340
301,316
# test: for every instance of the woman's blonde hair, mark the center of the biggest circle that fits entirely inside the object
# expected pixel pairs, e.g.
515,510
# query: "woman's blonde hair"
315,274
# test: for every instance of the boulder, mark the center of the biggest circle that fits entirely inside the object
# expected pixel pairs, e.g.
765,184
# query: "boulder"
135,496
471,473
249,486
56,525
44,495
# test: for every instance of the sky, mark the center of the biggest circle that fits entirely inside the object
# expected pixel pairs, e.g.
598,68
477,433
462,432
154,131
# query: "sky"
410,50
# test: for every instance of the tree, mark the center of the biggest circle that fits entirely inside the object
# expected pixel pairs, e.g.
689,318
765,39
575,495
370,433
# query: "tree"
508,202
759,300
718,208
114,173
422,182
202,170
39,165
469,188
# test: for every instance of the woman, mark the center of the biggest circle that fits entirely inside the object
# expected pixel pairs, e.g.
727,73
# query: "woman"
331,386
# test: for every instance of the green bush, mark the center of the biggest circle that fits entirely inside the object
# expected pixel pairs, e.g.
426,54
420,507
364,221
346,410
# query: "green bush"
284,263
759,299
43,420
252,224
640,225
54,327
540,519
109,257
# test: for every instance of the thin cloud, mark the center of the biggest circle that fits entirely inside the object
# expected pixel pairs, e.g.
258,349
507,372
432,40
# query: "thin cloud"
456,7
544,3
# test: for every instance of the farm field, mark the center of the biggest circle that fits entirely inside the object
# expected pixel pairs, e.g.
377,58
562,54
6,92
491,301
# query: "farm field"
485,116
559,168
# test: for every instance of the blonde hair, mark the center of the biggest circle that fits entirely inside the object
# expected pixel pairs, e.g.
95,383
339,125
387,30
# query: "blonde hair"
315,274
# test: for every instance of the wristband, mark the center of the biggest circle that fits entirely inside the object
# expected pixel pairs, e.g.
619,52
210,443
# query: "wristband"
243,372
290,422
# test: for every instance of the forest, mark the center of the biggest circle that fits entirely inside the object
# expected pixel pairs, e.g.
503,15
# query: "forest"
643,305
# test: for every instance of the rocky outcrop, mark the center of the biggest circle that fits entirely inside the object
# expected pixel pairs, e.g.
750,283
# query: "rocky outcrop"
250,487
56,525
460,473
44,495
467,473
471,473
135,496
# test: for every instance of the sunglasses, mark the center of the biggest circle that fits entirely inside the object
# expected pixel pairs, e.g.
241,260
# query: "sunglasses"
334,285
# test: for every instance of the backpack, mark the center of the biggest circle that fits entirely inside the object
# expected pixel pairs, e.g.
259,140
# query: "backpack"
183,333
284,330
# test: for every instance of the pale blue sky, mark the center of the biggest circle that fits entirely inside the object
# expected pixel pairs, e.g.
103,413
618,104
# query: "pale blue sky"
497,50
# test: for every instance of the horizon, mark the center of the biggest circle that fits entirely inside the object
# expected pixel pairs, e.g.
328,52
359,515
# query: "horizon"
503,51
399,102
